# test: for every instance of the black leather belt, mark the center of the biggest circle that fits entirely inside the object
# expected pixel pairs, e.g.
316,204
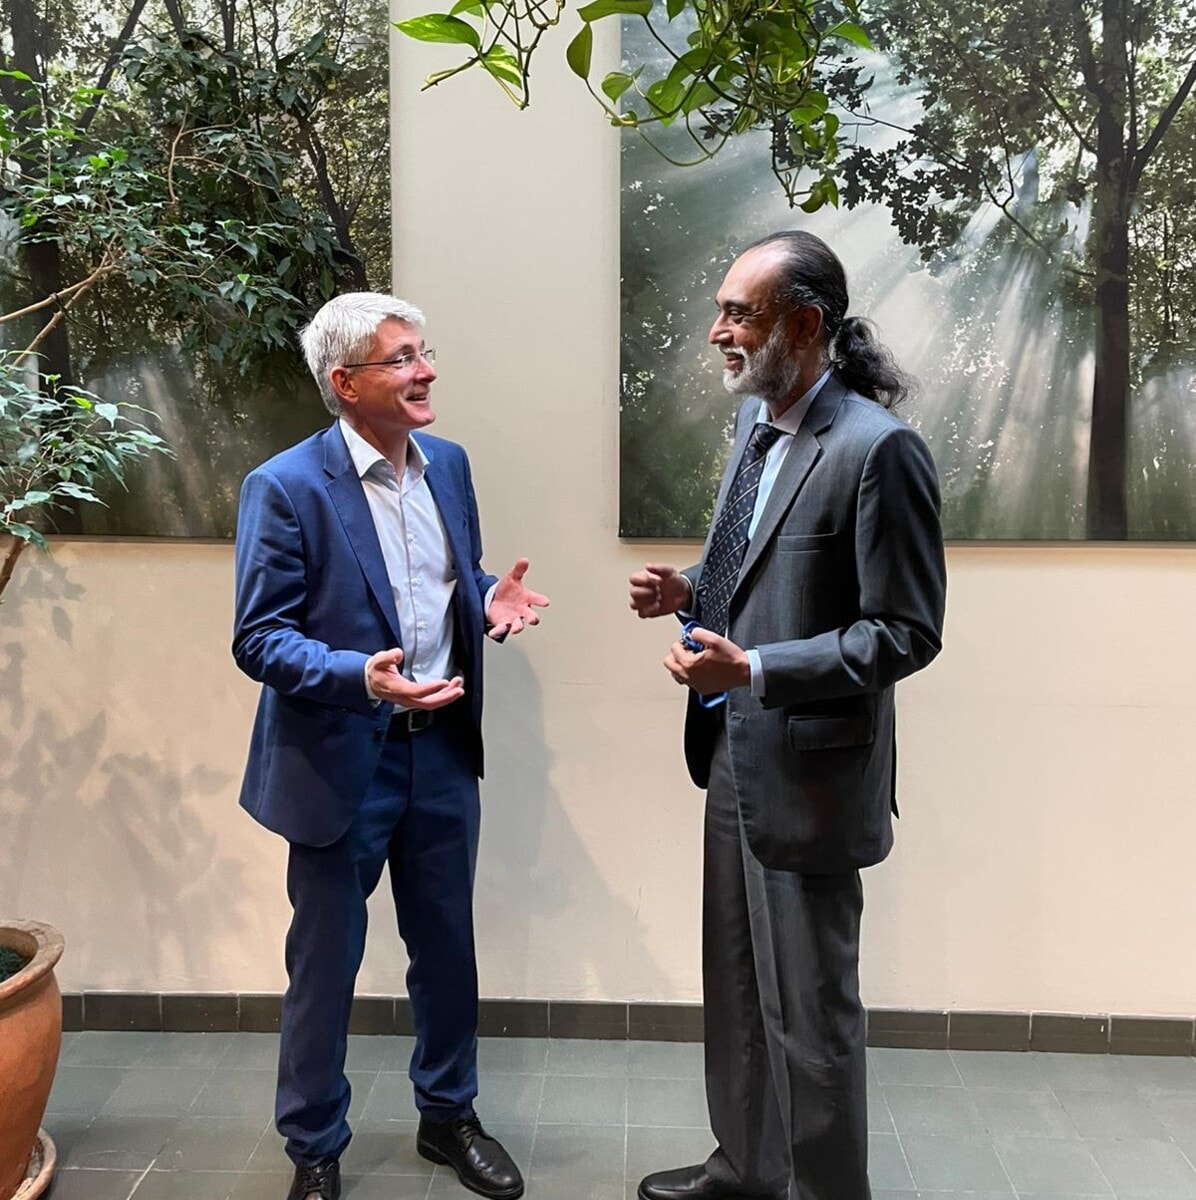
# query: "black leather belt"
407,721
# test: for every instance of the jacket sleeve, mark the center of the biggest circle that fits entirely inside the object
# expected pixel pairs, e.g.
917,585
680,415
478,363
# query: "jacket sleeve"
271,597
903,584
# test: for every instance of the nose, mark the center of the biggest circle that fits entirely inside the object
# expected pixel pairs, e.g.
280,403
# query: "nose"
426,370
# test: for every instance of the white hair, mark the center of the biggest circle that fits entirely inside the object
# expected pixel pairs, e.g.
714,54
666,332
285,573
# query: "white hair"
343,331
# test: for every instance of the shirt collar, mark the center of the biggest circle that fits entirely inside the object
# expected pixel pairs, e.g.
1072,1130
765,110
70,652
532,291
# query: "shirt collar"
366,457
790,420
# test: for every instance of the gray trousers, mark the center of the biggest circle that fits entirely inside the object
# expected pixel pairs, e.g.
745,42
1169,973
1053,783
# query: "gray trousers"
785,1069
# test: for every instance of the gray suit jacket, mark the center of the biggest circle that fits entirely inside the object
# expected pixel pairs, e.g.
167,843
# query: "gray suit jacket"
842,591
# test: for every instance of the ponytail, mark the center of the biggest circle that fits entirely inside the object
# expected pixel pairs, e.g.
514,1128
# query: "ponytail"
866,365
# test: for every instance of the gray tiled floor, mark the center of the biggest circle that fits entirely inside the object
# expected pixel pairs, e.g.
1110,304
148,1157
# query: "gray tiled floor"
186,1117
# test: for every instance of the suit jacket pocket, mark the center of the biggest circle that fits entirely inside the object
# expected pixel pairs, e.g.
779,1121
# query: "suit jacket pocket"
830,733
796,543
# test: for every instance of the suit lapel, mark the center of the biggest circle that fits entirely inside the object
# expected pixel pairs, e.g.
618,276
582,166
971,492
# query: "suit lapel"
802,456
348,498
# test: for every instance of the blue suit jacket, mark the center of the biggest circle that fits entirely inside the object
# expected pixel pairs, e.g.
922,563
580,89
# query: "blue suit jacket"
313,602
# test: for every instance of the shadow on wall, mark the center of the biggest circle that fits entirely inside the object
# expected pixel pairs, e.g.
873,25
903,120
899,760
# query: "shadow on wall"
536,877
101,837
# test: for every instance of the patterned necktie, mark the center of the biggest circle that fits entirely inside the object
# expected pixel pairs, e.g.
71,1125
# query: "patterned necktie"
730,541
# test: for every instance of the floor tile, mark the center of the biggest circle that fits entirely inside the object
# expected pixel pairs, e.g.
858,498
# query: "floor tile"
391,1187
263,1185
66,1130
512,1056
1112,1116
102,1048
919,1068
932,1110
651,1150
385,1148
371,1053
887,1167
1008,1070
1025,1113
593,1152
251,1052
186,1185
120,1142
1177,1112
1051,1166
576,1056
149,1091
1157,1074
879,1120
1146,1169
83,1089
392,1099
677,1102
510,1099
237,1094
94,1185
584,1100
666,1060
955,1163
1080,1072
554,1187
187,1050
211,1144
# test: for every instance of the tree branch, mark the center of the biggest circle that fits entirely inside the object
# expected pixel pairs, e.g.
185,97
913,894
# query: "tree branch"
110,65
1142,157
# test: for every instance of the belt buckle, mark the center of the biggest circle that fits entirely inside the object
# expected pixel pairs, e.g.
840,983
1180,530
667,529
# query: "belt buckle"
417,719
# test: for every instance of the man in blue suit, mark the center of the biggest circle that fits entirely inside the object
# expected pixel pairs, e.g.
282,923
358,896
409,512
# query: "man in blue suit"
361,607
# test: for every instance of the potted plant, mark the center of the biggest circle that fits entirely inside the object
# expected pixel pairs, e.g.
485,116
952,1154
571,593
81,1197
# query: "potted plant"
56,445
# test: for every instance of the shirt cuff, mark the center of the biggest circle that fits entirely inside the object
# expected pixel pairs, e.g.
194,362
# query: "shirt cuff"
489,598
757,673
374,700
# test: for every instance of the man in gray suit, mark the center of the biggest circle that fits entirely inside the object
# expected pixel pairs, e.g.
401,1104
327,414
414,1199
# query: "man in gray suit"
822,584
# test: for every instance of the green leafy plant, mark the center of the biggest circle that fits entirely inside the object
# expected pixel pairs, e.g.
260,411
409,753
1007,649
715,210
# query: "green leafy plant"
735,66
57,444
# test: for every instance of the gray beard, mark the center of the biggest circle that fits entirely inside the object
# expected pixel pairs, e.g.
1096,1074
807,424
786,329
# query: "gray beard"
768,372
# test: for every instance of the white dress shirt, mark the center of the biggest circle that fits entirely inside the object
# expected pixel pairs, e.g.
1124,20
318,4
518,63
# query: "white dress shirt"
416,553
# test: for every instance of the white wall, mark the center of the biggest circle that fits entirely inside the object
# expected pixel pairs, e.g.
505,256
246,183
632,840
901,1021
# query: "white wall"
1045,856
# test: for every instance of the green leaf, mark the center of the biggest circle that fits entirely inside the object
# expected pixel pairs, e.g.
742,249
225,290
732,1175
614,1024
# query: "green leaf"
851,32
675,8
440,27
26,533
609,8
502,64
615,84
108,412
580,51
32,498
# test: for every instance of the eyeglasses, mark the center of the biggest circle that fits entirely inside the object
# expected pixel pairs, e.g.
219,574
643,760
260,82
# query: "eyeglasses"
402,362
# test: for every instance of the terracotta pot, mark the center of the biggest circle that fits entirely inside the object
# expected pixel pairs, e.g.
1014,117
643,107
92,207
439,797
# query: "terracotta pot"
30,1034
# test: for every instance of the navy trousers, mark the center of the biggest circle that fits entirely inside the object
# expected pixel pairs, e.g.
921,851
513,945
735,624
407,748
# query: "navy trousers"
420,816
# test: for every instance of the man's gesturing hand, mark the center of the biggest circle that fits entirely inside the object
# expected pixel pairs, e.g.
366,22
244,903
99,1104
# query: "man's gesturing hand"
387,682
511,605
719,667
658,590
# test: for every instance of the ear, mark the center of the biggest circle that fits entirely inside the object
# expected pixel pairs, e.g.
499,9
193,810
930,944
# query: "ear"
805,327
343,385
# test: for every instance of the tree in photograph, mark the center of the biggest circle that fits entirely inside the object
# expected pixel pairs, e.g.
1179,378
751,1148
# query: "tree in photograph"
188,183
1074,119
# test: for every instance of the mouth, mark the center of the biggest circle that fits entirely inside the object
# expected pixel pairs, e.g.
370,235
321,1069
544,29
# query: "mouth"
733,360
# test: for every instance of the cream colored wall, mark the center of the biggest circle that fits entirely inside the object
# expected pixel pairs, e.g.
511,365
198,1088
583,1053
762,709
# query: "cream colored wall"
1045,857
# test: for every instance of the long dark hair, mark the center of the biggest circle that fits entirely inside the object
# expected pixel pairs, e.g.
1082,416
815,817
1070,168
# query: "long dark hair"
811,274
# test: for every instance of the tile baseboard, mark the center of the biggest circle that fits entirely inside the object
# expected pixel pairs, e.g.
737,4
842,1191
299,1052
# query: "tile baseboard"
923,1029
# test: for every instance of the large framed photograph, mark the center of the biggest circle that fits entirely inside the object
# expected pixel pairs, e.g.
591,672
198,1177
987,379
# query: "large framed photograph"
1018,227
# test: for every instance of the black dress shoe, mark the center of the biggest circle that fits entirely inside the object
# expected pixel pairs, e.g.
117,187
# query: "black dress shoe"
481,1163
687,1183
316,1181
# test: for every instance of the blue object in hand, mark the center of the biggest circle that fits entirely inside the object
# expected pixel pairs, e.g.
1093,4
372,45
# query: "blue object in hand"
717,698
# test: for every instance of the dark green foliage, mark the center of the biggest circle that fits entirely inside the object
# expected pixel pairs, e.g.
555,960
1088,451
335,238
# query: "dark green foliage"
10,963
